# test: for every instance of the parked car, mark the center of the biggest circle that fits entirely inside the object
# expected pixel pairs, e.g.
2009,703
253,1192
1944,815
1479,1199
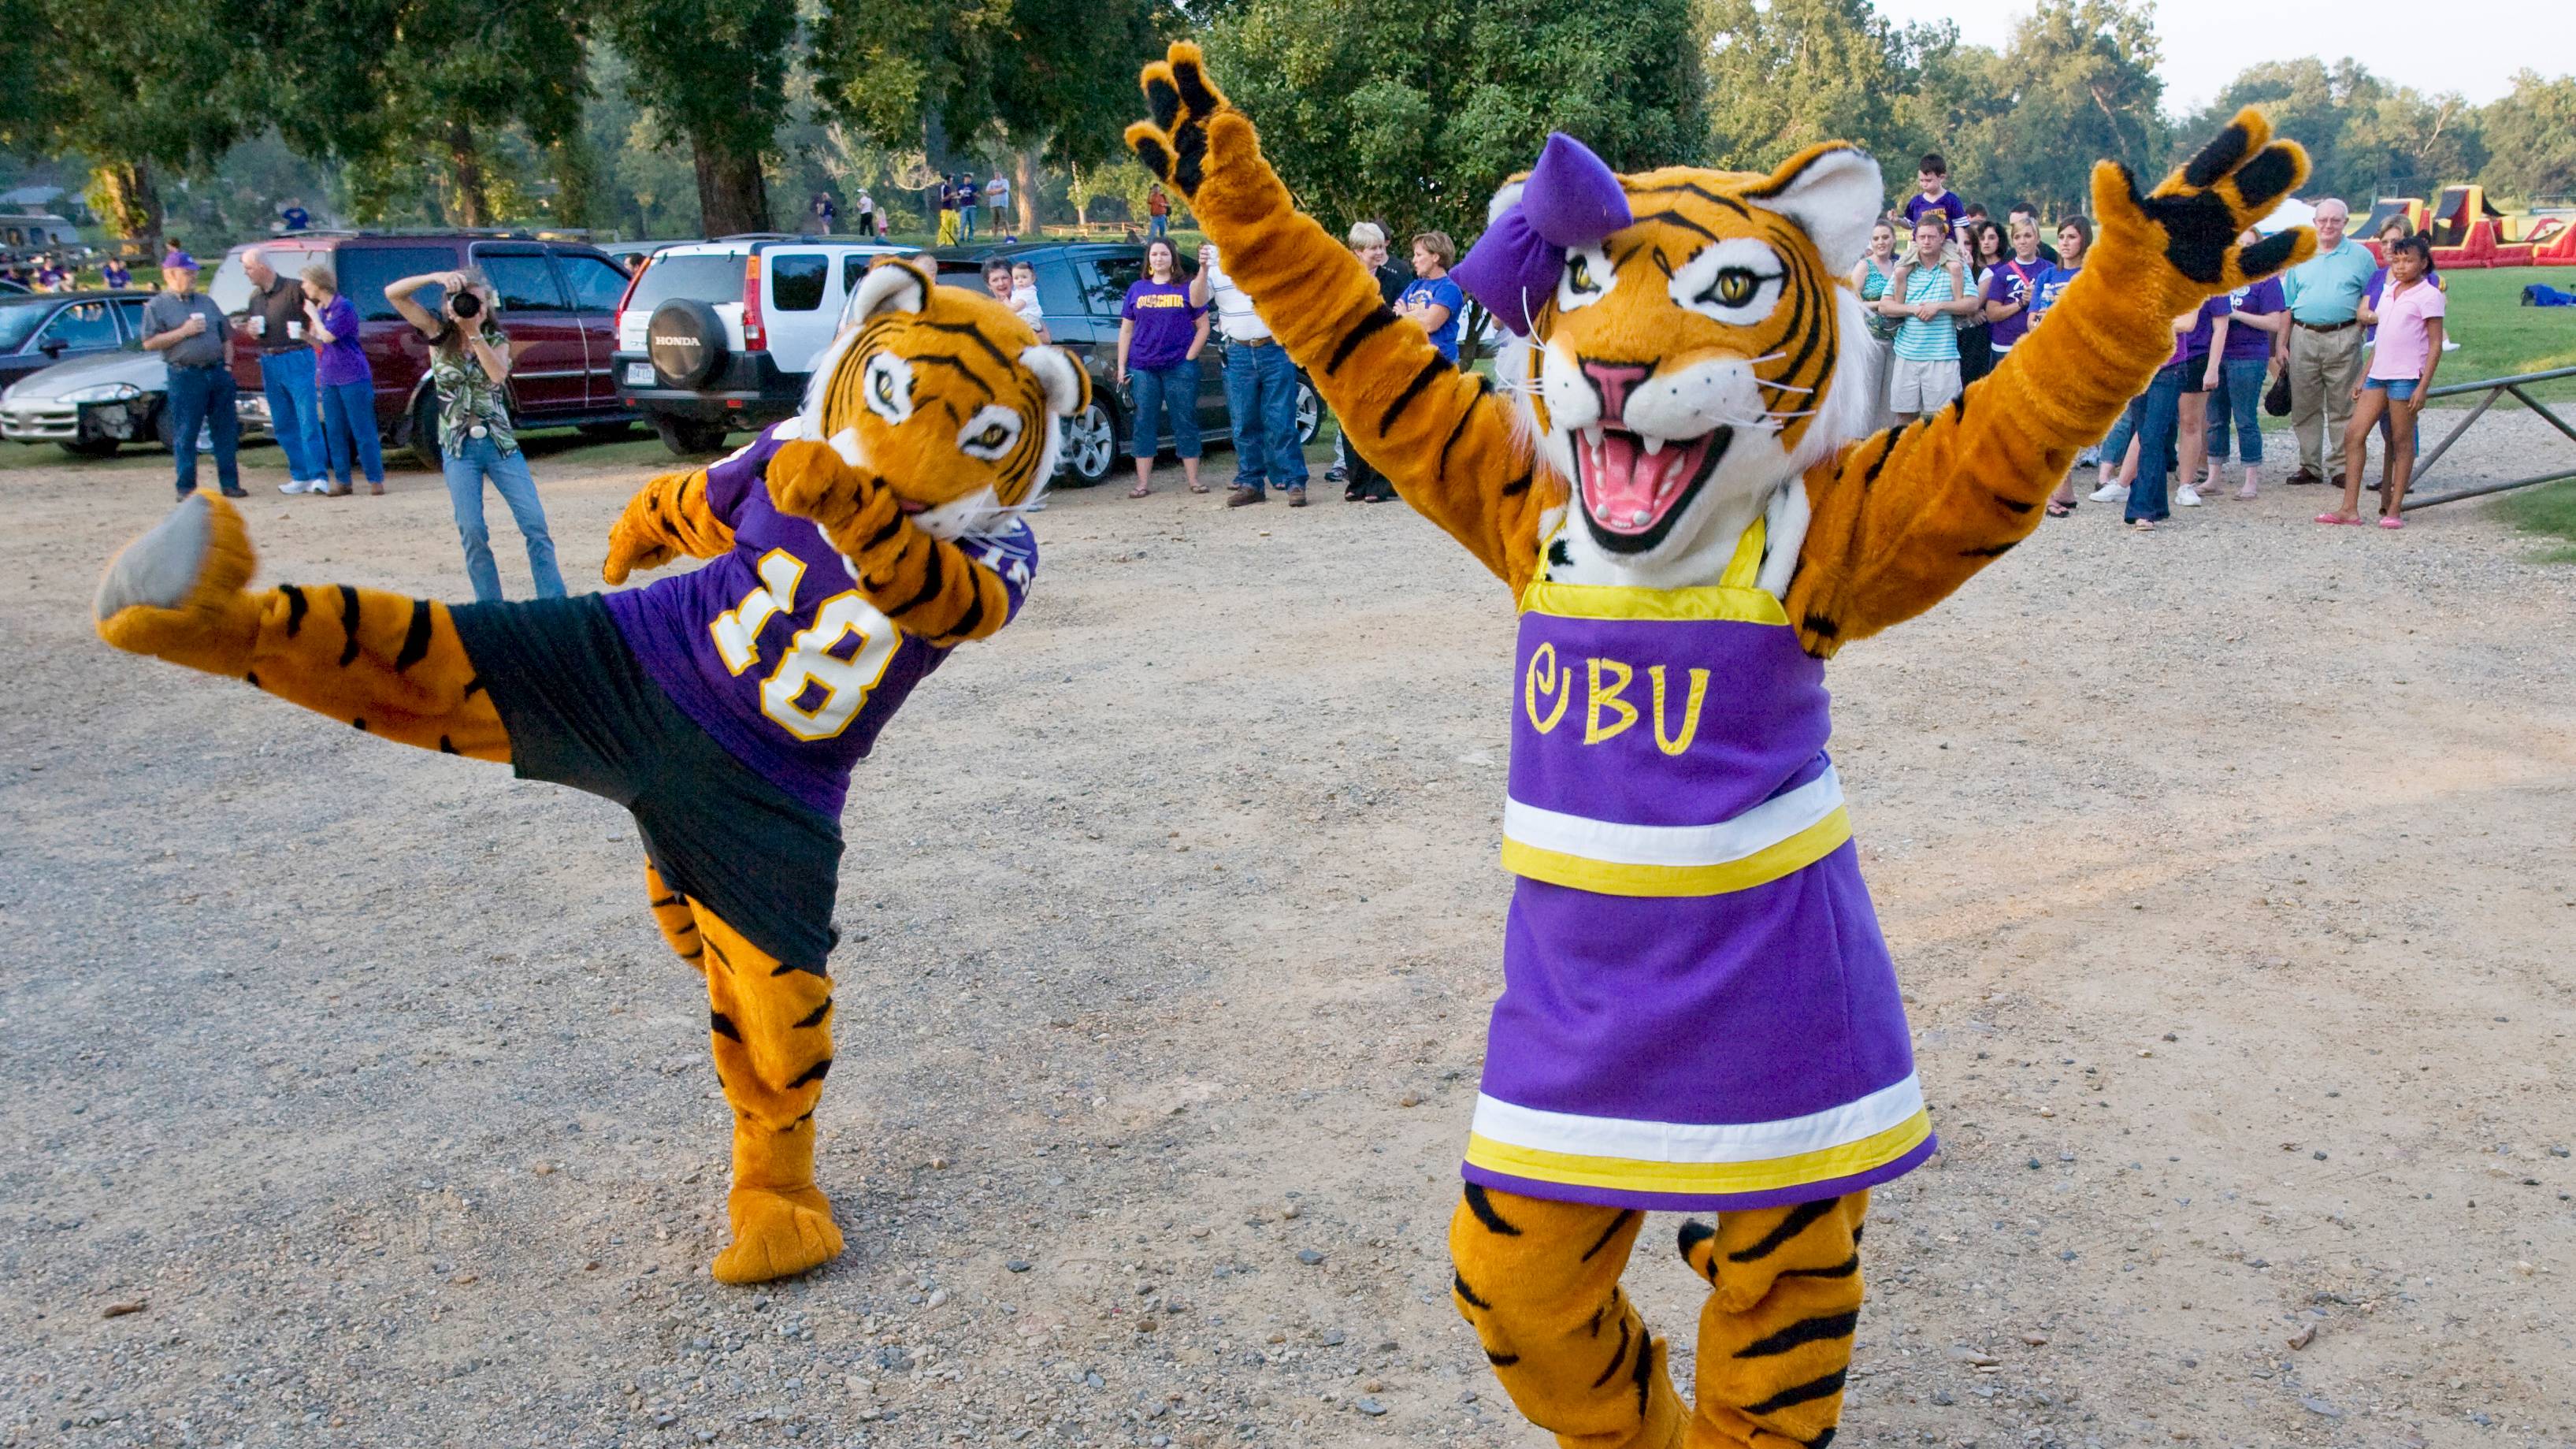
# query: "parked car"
558,303
720,335
1081,286
45,328
92,405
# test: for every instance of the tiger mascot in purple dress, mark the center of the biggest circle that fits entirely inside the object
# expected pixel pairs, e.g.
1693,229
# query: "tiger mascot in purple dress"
1698,1010
851,548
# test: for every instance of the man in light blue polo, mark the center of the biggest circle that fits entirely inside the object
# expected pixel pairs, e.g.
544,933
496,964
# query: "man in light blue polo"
2324,293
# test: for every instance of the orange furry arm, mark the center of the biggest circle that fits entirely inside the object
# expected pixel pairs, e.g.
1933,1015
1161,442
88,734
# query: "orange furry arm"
1900,520
927,585
666,518
1440,435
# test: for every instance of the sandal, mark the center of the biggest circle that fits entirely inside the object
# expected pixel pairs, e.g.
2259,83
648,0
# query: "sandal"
2336,518
2392,521
2060,507
1139,491
1198,488
2142,525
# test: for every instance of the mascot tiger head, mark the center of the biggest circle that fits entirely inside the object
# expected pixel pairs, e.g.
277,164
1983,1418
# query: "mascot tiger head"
1686,348
947,395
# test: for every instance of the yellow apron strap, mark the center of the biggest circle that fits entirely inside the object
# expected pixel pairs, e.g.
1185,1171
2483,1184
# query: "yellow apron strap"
1746,566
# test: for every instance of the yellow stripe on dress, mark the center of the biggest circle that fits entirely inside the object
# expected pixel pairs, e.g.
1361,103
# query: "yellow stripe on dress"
1619,878
1797,1170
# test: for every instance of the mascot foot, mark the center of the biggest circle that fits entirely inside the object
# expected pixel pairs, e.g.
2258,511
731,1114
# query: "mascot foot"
176,593
777,1234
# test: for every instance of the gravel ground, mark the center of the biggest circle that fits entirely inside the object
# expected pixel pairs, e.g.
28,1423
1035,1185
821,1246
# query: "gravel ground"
353,1101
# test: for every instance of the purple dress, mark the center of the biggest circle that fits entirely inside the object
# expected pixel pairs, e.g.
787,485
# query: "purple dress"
1698,1010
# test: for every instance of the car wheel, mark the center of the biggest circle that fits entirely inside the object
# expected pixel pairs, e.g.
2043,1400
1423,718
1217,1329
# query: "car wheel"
90,447
1090,444
688,438
424,431
1310,412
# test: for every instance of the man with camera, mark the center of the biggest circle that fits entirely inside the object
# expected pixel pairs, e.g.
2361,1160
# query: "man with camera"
469,368
189,331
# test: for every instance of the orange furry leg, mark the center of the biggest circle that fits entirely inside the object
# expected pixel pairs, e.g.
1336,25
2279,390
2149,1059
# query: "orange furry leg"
388,664
771,1027
1775,1340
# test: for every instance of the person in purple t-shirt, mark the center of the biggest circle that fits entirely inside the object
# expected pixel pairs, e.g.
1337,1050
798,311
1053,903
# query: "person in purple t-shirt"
1933,193
2256,330
1160,332
2202,348
2012,285
724,707
343,380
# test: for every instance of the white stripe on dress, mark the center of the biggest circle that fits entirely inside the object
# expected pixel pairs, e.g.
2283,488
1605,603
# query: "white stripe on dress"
1687,1142
1750,833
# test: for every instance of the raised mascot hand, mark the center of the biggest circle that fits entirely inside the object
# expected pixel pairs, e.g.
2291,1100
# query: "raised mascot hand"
2182,236
633,544
852,505
1194,129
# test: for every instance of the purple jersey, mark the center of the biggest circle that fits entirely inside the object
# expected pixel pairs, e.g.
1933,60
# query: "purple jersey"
2017,283
772,651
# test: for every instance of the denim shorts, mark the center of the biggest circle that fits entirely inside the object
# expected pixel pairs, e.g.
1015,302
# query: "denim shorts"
2399,389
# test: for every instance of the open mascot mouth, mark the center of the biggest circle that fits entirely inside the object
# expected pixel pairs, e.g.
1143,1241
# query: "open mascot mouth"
1634,487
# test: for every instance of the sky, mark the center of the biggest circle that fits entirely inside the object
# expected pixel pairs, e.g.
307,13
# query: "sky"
2206,42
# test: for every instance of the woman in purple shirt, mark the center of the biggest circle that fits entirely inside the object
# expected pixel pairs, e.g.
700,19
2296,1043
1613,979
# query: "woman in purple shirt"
1159,337
2255,328
345,383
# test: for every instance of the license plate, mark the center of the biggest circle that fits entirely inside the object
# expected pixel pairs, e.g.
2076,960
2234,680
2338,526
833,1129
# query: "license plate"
639,374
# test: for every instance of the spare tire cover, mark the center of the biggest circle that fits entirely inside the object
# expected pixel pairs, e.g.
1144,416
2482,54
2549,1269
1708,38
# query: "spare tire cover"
686,340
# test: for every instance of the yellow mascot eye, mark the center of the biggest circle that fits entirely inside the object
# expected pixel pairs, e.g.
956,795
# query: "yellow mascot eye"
885,387
991,437
1736,286
1580,274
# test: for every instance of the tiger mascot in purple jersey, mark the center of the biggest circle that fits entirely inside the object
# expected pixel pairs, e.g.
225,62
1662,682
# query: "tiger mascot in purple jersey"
851,548
1698,1011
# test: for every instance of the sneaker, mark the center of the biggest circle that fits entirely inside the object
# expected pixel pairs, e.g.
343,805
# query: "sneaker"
1237,497
293,486
2109,493
2186,497
2090,457
1297,496
1337,474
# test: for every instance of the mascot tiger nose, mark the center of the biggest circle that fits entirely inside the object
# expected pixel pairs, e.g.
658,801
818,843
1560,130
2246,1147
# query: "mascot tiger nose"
849,550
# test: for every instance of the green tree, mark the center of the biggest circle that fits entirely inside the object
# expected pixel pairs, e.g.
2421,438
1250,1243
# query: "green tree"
138,102
714,75
1785,75
2531,138
1415,111
1035,80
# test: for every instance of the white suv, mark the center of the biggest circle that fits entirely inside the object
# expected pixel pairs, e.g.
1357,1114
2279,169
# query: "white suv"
720,335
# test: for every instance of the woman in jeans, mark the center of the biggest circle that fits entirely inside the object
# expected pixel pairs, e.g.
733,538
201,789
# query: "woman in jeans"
2254,337
469,366
2135,456
344,381
1159,337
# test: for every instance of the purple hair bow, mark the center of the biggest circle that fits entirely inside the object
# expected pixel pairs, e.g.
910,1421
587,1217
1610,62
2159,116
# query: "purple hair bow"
1572,199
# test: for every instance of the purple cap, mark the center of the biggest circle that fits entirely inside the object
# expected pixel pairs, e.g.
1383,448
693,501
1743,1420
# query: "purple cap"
178,259
1571,199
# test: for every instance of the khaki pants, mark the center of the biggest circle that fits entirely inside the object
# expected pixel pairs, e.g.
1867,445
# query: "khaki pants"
2323,368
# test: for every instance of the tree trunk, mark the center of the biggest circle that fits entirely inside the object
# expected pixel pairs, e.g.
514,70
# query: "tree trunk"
1024,188
121,192
468,204
732,197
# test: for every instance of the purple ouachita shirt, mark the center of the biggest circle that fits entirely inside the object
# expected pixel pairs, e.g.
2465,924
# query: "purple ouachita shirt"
771,649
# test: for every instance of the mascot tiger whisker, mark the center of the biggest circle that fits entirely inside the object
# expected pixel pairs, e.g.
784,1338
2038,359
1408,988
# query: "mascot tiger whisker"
849,549
1679,480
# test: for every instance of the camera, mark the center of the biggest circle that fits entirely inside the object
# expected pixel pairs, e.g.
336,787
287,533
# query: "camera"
465,304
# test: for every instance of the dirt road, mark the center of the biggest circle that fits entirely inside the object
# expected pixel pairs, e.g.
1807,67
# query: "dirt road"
2227,869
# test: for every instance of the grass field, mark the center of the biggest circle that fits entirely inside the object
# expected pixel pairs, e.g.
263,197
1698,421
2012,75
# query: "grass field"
2498,336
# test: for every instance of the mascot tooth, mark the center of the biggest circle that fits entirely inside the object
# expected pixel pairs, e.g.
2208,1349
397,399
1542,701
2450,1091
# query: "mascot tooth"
726,707
1685,495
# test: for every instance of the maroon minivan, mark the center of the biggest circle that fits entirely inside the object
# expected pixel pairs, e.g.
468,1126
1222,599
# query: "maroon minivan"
558,304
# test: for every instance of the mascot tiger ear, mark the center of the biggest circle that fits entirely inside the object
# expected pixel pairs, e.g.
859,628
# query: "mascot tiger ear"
1833,192
894,284
1068,387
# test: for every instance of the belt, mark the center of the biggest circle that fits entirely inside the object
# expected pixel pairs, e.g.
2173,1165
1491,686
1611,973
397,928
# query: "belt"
1252,341
2328,326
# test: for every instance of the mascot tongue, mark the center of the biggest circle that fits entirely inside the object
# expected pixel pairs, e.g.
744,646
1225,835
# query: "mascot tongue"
1626,490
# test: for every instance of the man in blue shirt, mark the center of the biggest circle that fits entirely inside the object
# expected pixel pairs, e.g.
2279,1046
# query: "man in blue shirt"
2324,293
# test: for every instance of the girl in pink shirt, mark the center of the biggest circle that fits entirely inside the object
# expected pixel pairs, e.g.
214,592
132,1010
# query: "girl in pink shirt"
2402,362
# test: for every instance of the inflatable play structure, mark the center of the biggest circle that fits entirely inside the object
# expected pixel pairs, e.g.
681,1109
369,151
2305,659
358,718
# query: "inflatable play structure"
2468,231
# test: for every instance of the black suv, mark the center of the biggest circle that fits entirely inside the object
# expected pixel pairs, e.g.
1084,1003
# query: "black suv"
1081,286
